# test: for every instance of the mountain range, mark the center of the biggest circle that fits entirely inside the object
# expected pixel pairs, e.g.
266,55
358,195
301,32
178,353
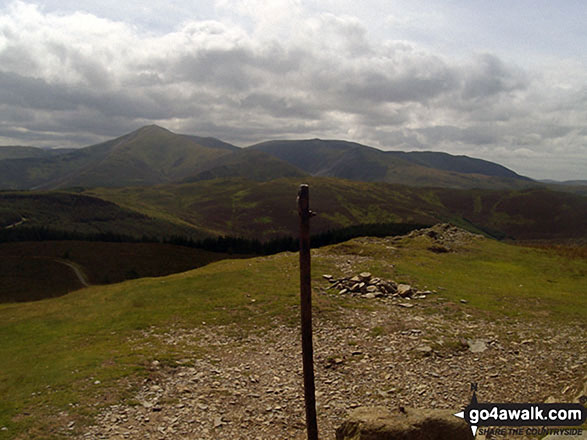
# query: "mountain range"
153,155
156,183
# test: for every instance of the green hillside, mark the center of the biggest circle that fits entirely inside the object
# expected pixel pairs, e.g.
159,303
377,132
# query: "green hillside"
27,213
146,156
267,209
249,164
349,160
64,359
18,152
153,155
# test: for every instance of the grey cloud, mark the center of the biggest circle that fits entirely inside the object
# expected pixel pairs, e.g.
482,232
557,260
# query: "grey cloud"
279,106
334,82
34,93
235,69
489,76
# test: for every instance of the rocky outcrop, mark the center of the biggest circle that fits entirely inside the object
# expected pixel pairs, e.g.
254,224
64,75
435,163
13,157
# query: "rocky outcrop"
379,423
445,237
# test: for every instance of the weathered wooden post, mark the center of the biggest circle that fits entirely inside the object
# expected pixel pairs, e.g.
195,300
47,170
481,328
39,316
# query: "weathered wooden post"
306,311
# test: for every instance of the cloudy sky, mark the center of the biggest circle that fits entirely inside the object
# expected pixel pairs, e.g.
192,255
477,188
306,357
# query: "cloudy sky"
501,80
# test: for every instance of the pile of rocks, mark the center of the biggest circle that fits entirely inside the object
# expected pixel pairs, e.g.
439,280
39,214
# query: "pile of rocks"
445,237
367,286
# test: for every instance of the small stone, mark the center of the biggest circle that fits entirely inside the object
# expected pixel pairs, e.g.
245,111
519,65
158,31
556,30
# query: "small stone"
369,295
464,301
476,345
404,289
372,289
327,276
97,382
343,291
405,305
425,349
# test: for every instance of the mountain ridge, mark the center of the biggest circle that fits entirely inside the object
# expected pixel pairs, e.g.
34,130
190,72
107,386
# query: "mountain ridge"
153,155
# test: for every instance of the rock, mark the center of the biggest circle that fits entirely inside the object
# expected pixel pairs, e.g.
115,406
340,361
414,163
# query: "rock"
438,249
365,276
372,289
369,295
424,349
404,289
327,276
415,424
476,345
405,305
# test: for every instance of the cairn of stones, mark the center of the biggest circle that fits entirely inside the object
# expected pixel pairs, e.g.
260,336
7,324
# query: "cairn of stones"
365,285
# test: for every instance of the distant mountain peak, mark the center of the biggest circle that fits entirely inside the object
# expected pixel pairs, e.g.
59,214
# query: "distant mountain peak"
153,128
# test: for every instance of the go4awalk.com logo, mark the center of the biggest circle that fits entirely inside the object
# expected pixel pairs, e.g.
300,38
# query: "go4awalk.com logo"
523,416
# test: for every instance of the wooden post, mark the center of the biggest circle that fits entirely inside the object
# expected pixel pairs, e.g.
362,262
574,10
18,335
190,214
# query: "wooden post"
306,311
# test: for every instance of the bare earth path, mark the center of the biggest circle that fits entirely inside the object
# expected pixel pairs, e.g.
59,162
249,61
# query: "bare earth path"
249,385
78,272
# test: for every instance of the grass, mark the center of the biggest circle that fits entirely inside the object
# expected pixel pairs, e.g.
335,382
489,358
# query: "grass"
58,348
54,351
499,278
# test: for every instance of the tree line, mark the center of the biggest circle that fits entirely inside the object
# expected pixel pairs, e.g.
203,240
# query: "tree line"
224,244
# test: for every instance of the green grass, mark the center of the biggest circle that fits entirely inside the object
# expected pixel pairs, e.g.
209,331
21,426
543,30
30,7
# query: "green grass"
58,348
503,279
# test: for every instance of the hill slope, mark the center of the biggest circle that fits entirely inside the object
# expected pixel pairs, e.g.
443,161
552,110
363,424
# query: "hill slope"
27,214
267,209
250,164
153,155
148,156
18,152
350,160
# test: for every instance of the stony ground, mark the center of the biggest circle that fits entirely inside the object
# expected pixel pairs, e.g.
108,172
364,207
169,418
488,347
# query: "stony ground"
249,386
388,351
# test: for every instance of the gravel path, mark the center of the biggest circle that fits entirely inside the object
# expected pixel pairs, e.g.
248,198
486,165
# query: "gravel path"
249,386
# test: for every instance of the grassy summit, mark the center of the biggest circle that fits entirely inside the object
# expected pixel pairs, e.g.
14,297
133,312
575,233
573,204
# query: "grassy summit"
62,359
